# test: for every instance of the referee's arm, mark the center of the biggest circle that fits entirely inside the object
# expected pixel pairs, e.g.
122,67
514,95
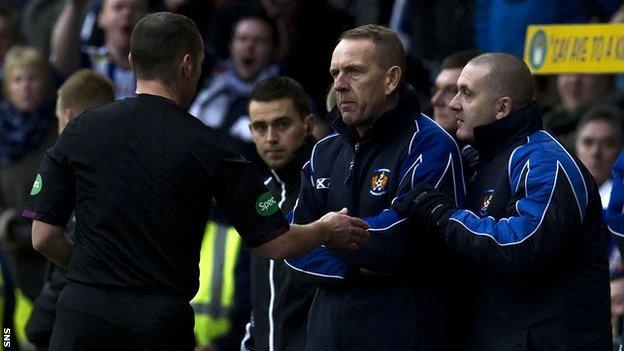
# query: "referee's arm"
52,242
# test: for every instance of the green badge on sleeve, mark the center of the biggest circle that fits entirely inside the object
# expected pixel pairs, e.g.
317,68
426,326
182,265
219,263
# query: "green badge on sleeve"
37,185
266,204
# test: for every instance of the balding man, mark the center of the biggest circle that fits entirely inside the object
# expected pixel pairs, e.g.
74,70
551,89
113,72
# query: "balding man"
532,224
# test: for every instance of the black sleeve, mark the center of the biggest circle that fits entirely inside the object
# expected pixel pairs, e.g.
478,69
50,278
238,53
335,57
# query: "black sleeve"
51,199
243,197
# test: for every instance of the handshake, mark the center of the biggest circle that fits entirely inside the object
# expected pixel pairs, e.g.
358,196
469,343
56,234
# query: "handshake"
426,206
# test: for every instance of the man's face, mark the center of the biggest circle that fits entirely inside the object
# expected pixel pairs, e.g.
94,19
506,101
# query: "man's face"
359,82
118,18
26,88
278,130
446,86
579,90
474,105
598,144
251,47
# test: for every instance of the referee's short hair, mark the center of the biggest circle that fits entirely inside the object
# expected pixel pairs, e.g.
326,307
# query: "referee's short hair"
159,41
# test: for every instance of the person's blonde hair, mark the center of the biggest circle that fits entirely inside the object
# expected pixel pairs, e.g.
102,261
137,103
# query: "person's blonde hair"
26,57
85,90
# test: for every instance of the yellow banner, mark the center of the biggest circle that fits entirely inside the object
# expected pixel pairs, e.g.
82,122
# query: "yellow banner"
577,48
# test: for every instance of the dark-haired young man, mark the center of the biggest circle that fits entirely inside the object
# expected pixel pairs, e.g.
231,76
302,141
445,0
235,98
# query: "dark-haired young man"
141,174
280,122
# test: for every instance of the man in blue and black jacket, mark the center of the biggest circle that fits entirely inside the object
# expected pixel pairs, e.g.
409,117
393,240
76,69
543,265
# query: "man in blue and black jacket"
280,122
531,225
394,292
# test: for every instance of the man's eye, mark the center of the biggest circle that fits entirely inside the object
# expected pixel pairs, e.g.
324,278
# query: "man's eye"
259,129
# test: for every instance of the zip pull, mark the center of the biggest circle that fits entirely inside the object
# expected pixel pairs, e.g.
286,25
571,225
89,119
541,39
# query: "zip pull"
349,173
356,147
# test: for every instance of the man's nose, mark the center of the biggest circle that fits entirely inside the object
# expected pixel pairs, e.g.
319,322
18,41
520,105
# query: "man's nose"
341,83
454,104
272,135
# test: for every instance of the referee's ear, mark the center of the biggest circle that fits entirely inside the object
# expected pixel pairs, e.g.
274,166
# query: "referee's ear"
187,65
130,61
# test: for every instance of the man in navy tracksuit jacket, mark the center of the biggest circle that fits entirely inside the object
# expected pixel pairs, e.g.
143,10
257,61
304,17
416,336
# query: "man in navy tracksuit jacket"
394,293
532,222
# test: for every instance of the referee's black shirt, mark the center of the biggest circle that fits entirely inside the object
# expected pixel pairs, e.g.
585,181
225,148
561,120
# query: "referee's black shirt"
141,174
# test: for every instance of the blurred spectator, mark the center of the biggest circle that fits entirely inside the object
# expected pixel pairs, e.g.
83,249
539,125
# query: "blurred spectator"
500,25
365,11
27,130
432,30
117,18
308,33
222,103
38,19
577,93
599,140
83,90
9,32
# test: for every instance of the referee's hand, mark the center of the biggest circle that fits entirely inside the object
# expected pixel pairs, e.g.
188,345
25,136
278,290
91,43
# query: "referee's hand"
344,232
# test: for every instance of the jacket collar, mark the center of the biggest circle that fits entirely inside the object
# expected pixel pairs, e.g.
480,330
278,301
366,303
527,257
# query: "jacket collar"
406,109
519,124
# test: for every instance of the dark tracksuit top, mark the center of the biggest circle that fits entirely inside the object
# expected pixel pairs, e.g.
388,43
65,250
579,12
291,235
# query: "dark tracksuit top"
533,227
280,299
392,293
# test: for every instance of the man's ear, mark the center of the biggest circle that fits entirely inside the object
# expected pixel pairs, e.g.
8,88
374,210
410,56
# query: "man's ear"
130,60
504,106
393,77
187,64
308,122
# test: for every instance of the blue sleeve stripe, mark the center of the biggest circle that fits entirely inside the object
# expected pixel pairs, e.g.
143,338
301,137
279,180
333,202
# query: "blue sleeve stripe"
614,232
383,221
509,171
319,262
409,149
580,174
458,152
413,167
507,231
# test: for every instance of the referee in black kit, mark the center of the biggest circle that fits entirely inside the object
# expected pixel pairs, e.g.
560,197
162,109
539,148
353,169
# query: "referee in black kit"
140,175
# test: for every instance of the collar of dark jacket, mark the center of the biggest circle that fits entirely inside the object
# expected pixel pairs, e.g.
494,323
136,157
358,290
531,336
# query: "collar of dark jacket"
407,108
490,138
291,173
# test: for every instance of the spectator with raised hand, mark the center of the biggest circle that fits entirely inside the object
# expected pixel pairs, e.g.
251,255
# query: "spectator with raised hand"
117,18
